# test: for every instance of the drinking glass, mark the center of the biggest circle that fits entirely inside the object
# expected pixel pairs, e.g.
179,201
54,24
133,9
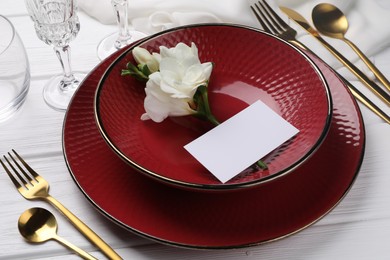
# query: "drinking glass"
14,70
123,37
56,23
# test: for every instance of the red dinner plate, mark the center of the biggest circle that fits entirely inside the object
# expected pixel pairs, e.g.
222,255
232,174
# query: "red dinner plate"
261,67
226,219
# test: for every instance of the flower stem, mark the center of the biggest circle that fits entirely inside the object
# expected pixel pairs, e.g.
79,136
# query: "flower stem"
211,118
262,164
206,106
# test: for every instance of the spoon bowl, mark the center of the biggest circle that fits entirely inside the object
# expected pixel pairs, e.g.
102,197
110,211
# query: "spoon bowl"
38,225
330,21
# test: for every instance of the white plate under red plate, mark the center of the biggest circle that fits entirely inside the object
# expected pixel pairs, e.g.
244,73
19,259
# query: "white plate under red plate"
261,67
213,220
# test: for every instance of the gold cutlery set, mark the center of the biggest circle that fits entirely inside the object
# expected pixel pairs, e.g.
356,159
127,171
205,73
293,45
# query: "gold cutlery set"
38,225
330,22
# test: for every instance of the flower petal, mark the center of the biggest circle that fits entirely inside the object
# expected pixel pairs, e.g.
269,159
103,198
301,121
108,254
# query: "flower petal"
142,56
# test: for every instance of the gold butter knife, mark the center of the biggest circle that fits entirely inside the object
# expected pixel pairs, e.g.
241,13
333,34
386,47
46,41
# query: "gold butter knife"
358,73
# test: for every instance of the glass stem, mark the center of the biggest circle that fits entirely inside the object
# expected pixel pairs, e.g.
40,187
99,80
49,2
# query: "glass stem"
121,13
63,54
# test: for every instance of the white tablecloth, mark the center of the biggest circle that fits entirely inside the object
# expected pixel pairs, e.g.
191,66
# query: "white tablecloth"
358,228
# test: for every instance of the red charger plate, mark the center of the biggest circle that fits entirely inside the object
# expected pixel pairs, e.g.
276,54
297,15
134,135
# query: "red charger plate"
227,219
261,67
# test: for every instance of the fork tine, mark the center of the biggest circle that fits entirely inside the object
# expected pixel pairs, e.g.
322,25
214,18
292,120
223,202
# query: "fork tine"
260,17
269,14
13,179
33,173
275,15
20,168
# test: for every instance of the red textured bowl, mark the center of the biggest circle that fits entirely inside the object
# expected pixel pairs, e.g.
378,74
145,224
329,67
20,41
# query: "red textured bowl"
249,65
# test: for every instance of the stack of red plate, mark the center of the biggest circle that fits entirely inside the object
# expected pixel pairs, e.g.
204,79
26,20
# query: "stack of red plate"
322,161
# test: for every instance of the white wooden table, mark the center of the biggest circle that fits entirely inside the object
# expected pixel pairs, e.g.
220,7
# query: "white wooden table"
358,228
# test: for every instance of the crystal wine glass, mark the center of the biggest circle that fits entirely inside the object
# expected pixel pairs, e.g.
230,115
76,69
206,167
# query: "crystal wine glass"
118,40
56,23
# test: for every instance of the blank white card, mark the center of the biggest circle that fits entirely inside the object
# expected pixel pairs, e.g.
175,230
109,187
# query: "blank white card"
240,141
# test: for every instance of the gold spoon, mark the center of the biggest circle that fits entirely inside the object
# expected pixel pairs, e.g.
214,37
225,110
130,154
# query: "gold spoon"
330,21
38,225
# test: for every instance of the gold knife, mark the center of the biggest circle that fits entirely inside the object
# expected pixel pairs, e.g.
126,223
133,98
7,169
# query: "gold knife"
358,73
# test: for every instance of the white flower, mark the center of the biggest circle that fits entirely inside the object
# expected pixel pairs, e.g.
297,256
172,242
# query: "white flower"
143,57
170,90
159,104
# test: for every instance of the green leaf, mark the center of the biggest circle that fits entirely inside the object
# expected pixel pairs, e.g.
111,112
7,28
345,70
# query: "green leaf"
134,71
145,70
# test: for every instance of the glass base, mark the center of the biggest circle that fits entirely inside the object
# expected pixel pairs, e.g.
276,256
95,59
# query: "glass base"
6,112
58,98
107,47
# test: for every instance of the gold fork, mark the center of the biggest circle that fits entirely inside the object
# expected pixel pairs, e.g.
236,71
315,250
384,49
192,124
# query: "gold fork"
32,186
274,24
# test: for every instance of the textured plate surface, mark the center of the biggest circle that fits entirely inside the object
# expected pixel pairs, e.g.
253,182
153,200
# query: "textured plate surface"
213,220
261,67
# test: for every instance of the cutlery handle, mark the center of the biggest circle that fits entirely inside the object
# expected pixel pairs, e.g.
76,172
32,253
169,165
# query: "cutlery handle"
369,64
76,249
355,92
84,229
358,73
368,103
